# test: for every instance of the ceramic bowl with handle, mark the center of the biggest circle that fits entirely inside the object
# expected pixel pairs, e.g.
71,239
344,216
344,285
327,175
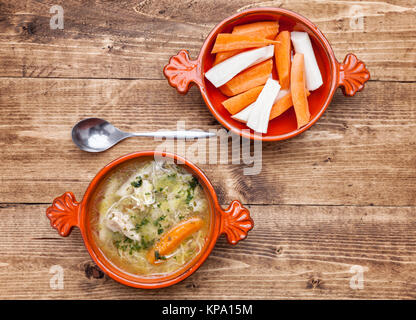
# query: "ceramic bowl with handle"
350,75
66,213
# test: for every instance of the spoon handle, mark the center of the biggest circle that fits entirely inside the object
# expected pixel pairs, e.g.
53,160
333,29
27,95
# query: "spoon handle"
185,134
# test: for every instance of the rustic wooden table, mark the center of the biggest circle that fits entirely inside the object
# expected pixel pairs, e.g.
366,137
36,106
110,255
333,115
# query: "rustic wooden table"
341,194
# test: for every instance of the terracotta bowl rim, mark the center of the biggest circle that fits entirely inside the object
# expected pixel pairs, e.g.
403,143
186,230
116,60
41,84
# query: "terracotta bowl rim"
245,132
134,280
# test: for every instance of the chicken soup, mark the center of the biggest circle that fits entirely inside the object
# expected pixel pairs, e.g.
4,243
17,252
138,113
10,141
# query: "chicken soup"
150,217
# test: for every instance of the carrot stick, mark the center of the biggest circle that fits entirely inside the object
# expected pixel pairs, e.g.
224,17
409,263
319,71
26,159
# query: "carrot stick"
298,89
173,238
283,104
252,77
282,58
225,71
266,29
221,56
230,42
242,100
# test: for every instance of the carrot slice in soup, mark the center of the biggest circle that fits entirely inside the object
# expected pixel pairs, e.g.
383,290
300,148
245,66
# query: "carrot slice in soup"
230,42
173,238
282,57
242,100
266,29
298,89
252,77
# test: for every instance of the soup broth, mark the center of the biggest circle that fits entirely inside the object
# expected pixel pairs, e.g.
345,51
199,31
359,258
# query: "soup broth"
150,217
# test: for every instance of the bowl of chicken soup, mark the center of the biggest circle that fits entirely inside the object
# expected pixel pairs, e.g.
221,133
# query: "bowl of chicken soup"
149,219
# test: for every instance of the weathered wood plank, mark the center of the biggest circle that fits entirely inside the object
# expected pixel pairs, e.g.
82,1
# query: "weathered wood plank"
132,39
361,152
293,252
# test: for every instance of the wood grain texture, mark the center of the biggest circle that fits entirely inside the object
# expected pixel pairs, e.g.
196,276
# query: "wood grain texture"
293,252
134,39
361,152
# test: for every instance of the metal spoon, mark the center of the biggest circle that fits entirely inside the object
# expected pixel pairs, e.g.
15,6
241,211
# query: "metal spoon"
97,135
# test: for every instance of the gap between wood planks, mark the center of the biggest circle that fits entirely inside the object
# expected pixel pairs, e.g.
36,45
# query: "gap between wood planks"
4,205
150,79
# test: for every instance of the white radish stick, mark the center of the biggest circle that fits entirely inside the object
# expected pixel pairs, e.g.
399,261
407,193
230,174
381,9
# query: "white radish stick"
258,120
242,116
281,94
302,44
223,72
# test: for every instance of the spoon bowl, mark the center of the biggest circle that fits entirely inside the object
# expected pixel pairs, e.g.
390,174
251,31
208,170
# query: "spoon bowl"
96,135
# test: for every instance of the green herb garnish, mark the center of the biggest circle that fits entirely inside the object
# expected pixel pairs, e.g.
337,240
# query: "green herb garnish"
158,220
193,183
137,183
172,175
141,224
189,196
146,244
158,256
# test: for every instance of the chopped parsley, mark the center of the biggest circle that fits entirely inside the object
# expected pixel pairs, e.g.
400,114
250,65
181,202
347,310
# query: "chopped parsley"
141,224
127,244
137,183
189,195
146,244
172,175
191,190
193,183
158,256
158,220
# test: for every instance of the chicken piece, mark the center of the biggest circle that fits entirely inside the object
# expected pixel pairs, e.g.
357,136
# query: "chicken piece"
117,221
144,194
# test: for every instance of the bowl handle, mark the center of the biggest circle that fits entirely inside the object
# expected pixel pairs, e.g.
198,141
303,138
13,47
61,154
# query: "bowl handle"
63,213
352,75
181,72
235,222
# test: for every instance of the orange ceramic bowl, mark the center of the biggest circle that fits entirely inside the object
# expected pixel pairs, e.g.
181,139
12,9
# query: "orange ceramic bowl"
66,213
351,75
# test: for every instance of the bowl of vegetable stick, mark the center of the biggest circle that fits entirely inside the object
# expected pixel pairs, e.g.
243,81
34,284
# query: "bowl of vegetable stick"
267,73
188,232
